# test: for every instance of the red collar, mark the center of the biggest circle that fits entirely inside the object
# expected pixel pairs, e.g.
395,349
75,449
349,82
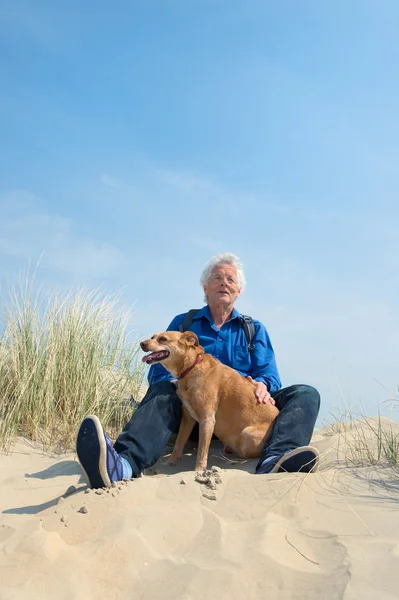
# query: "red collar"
186,371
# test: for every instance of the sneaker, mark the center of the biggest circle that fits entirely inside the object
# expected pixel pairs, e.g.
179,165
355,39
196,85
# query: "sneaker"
100,462
304,459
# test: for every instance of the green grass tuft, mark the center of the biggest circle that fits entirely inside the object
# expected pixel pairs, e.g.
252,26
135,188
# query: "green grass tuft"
63,357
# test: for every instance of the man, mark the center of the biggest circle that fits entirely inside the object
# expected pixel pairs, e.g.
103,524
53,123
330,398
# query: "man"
158,416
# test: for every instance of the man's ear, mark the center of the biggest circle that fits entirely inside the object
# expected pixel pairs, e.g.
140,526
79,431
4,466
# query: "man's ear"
190,338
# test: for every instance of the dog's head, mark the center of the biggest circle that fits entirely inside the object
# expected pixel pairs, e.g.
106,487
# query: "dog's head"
173,349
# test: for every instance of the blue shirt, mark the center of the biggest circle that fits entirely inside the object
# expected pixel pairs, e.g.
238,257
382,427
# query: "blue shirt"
229,345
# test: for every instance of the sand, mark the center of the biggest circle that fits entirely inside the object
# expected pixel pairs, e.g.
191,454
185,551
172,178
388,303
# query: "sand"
333,534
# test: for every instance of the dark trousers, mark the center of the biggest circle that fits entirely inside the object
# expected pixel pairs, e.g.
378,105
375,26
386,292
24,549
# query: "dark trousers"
158,416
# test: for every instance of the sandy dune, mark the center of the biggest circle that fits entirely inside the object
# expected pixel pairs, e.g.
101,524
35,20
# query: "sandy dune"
166,536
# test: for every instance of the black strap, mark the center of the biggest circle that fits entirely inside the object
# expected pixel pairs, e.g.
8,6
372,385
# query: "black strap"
246,323
188,319
249,329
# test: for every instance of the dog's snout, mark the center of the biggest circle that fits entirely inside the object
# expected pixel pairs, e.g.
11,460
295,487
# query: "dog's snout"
144,345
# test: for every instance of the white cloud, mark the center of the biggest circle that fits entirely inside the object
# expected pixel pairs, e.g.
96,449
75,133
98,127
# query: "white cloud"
202,191
27,233
110,181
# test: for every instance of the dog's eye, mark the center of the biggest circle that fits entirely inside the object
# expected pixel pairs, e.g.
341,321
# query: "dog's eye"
162,339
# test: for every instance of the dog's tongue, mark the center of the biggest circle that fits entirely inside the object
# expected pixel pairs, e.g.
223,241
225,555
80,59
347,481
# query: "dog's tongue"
153,356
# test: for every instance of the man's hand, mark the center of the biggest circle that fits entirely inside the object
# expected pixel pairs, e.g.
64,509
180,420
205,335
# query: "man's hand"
261,393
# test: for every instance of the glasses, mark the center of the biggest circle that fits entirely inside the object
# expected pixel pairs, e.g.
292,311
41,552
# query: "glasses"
218,277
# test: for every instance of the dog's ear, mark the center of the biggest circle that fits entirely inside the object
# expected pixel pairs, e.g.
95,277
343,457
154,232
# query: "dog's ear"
190,338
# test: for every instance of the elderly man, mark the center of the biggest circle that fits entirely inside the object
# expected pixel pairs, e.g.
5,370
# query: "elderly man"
219,329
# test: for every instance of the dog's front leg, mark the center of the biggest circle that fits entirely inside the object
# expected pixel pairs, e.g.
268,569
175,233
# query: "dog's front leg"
186,426
206,427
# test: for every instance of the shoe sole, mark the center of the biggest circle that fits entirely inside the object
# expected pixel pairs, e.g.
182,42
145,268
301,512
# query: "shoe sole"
91,449
301,460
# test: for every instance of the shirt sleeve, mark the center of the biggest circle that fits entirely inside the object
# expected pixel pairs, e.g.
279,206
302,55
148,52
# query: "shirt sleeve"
264,367
157,372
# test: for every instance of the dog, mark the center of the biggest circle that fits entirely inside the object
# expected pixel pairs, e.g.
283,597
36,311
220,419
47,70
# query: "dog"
216,396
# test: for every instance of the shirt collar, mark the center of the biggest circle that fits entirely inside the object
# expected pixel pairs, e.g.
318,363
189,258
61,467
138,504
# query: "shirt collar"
205,312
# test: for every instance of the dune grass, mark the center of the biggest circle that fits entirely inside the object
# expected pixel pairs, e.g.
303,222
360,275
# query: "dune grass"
63,356
365,441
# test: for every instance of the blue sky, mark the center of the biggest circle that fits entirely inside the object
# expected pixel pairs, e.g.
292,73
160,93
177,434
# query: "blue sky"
139,139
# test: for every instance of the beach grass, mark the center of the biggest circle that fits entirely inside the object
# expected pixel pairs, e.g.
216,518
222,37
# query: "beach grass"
364,440
64,356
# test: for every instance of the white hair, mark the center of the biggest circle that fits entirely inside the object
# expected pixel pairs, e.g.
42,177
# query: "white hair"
224,259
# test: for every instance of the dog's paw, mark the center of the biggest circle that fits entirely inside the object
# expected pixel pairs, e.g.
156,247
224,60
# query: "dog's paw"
173,459
200,468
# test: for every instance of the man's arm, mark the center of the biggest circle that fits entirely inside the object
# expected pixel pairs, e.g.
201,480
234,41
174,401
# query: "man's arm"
157,372
264,368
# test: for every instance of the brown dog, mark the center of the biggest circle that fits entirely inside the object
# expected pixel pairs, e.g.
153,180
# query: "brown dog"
219,398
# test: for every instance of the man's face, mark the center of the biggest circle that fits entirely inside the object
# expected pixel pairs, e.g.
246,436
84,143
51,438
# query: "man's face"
222,287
